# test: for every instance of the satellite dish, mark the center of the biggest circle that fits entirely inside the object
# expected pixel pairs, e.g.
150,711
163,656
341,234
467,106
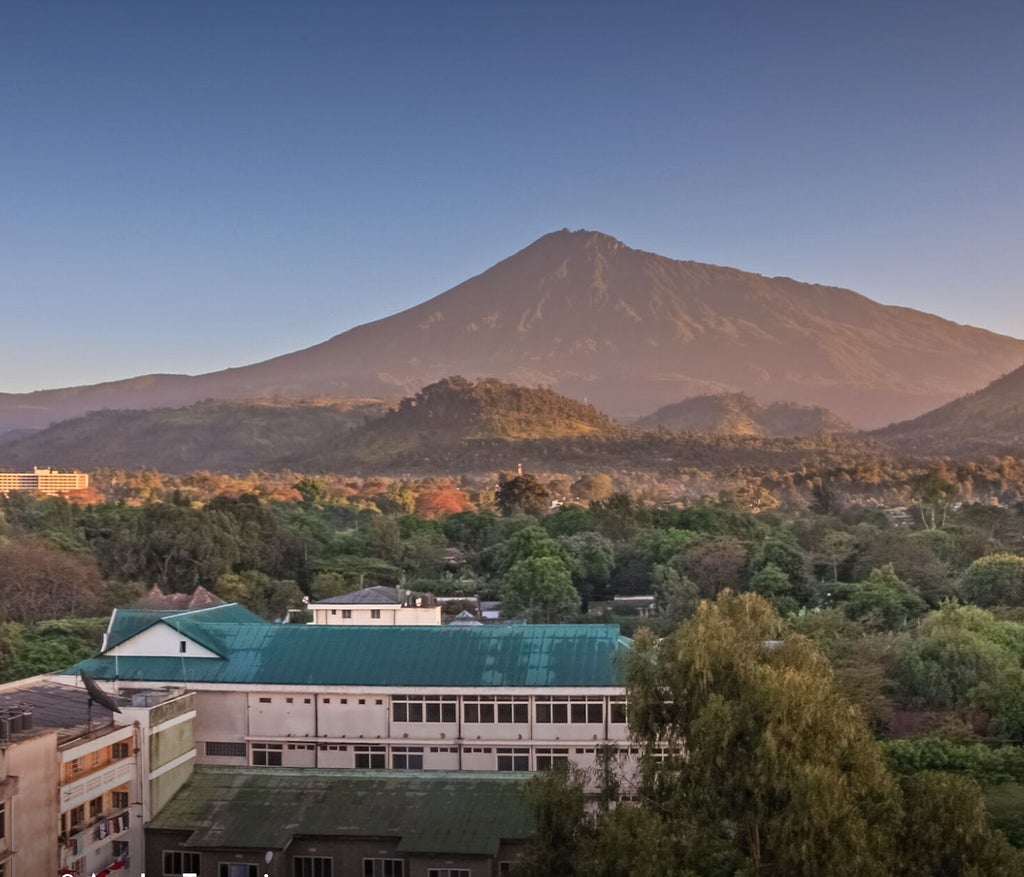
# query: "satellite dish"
97,694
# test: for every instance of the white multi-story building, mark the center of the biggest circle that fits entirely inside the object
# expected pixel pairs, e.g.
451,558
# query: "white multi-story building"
501,697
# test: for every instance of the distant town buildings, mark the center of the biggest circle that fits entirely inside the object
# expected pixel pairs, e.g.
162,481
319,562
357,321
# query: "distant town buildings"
48,481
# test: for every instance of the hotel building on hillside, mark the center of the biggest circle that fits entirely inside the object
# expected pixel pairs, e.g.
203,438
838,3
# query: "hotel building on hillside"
48,481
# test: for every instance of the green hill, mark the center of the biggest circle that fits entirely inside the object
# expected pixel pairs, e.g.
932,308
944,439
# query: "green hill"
457,416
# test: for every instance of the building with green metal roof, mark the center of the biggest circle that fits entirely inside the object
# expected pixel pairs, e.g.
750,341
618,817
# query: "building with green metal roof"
339,823
498,697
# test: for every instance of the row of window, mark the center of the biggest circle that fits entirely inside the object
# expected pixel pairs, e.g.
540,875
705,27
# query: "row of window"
375,756
347,613
342,700
507,709
496,709
177,863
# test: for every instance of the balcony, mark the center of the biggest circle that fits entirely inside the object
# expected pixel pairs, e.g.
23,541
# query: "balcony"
92,785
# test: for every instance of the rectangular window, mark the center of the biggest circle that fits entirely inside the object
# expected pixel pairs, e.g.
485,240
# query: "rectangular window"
617,711
238,869
264,700
96,807
383,868
225,749
407,757
77,817
513,759
266,754
312,866
177,863
346,613
182,646
503,709
449,872
371,757
375,613
3,820
549,758
119,750
119,800
120,849
424,708
562,710
75,766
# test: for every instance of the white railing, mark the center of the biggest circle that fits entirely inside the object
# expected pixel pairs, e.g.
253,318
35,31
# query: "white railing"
93,785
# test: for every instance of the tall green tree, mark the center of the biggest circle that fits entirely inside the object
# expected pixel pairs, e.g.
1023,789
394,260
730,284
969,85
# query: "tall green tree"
775,760
539,590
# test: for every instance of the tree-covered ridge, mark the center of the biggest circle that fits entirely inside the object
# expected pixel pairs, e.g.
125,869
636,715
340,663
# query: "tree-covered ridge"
490,408
225,436
740,414
455,416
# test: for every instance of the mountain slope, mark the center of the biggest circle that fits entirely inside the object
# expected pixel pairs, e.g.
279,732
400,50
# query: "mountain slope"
990,421
214,435
739,414
628,330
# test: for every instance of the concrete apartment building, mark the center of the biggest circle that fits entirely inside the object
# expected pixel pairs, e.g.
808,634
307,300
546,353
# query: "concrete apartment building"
377,606
48,481
77,780
506,698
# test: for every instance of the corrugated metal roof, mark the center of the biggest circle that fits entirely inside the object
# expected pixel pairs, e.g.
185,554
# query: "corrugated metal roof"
517,656
378,595
430,811
125,623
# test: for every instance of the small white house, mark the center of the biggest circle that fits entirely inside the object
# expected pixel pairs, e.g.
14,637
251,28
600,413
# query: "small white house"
378,606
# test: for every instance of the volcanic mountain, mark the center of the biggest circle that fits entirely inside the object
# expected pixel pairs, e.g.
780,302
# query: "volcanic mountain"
739,414
988,422
630,331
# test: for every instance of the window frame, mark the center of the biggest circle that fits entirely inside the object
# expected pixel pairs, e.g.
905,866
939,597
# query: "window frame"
496,709
182,868
515,758
262,754
410,755
312,866
376,756
388,867
431,709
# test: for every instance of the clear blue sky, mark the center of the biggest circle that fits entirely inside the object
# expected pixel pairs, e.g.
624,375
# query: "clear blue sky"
187,186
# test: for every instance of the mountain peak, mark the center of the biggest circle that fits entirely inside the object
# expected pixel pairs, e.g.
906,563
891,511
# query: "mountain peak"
630,331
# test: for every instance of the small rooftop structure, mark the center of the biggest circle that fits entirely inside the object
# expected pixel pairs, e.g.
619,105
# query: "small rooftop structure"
200,598
378,605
